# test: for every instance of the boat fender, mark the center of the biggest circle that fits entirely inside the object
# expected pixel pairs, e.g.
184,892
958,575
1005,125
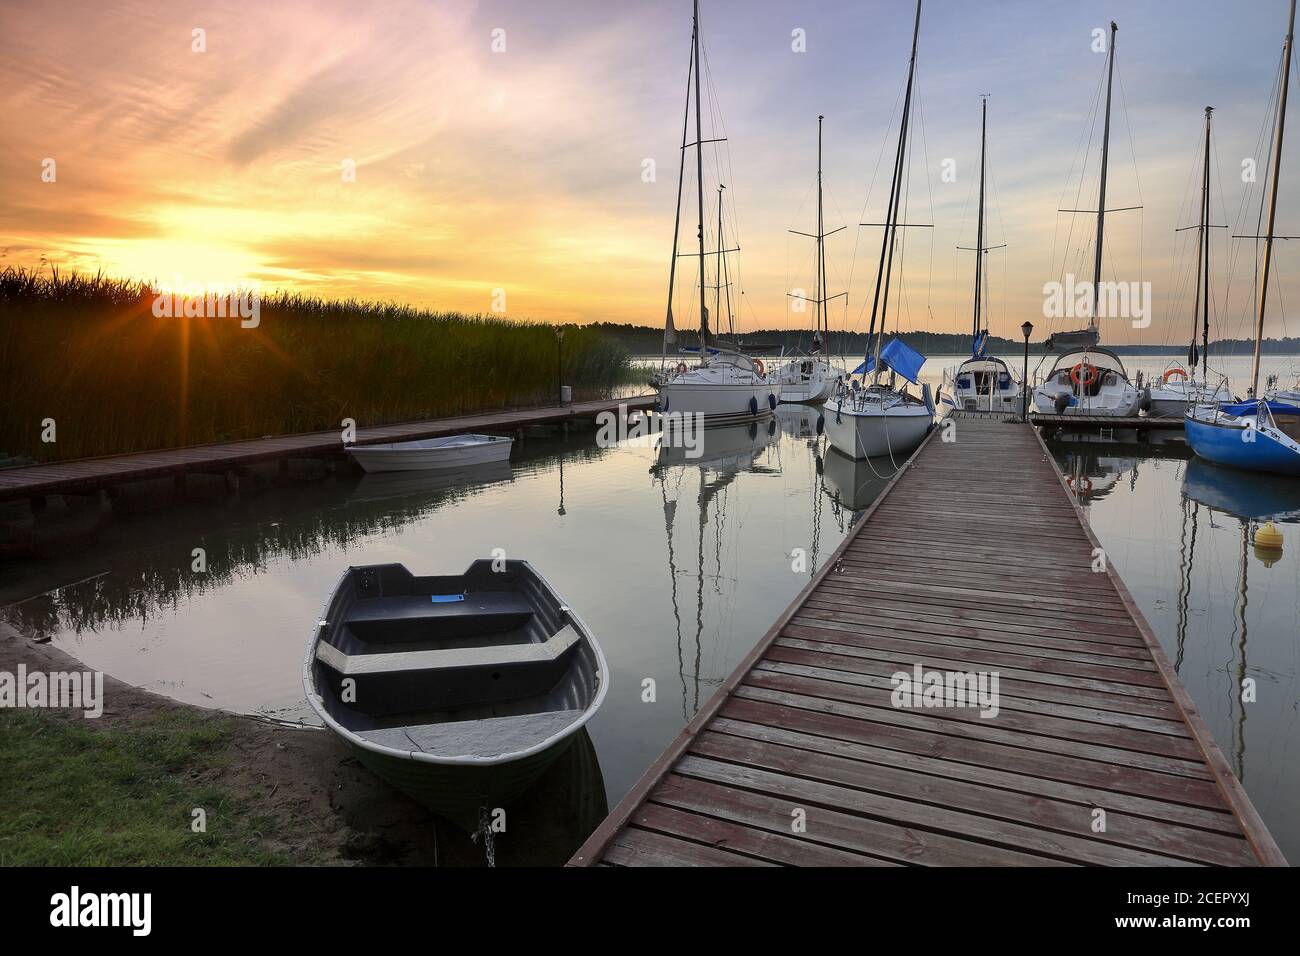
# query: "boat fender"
667,400
753,405
929,398
821,423
771,426
753,430
771,400
1146,399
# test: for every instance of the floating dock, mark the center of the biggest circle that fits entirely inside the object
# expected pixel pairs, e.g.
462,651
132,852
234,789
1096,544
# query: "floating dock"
1096,756
85,475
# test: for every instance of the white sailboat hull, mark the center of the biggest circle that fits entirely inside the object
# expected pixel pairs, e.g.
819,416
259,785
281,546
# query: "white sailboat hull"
806,381
717,402
863,430
456,451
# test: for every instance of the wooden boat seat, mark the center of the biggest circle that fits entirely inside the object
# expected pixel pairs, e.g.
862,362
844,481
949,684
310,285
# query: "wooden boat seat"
451,658
418,617
487,737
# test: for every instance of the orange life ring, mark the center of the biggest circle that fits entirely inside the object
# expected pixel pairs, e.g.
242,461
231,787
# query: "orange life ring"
1175,371
1076,377
1085,483
681,368
762,369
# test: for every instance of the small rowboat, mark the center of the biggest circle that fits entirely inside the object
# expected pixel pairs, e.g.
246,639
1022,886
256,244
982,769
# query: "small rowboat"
459,690
454,451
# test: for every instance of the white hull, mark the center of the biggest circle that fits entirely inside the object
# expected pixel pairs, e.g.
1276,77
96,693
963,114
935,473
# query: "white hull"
806,381
457,451
864,431
719,403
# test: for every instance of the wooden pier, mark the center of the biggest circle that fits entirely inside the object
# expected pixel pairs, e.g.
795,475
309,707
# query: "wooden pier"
975,558
85,475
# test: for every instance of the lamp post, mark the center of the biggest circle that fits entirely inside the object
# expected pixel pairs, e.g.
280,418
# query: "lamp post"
559,366
1028,330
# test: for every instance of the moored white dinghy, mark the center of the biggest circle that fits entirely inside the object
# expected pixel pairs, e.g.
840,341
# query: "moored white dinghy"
459,690
453,451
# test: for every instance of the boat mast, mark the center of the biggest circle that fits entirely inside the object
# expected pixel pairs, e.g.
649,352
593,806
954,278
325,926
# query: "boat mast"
886,267
821,255
670,331
699,181
979,229
1101,202
1203,257
1272,199
722,260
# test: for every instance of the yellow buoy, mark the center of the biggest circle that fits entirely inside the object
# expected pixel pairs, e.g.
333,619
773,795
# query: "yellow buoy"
1268,543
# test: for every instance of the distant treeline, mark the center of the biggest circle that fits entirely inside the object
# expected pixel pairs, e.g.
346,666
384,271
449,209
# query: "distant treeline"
89,366
642,340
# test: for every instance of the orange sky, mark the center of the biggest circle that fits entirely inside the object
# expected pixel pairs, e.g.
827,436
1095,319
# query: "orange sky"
522,170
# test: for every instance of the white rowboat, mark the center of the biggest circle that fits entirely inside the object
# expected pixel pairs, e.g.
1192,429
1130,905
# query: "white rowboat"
454,451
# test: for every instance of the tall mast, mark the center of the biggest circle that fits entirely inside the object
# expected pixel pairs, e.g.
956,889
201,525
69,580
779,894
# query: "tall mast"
1272,199
1101,202
699,181
979,229
717,289
670,331
1203,257
821,255
885,269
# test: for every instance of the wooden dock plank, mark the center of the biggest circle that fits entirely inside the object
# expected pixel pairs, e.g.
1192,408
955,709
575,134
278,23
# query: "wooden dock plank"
88,474
953,577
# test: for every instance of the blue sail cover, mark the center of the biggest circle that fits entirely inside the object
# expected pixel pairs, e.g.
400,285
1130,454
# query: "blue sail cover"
897,356
904,360
1250,406
979,345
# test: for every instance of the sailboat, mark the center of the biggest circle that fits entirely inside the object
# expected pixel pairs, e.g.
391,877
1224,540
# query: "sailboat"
1257,434
809,378
982,383
1178,388
727,385
1086,379
875,419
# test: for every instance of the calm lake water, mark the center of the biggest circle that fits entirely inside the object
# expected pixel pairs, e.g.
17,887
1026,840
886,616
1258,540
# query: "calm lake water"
678,565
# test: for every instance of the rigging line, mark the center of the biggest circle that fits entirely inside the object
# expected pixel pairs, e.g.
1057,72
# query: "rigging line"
1243,210
929,186
1082,149
867,201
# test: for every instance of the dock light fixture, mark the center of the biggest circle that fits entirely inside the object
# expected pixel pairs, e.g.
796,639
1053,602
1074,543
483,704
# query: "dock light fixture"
559,365
1027,329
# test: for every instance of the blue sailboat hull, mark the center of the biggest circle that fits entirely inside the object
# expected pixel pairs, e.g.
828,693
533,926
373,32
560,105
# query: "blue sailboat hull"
1232,442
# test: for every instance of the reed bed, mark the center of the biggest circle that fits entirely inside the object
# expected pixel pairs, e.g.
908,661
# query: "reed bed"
89,353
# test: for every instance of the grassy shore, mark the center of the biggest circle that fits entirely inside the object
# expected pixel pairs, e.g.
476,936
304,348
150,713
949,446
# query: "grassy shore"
78,795
89,353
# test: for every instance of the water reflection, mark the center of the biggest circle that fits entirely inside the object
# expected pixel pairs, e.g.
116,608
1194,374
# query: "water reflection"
721,454
1243,499
853,485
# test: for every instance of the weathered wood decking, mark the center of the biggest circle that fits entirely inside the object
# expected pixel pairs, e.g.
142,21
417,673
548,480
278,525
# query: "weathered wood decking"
953,574
88,474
